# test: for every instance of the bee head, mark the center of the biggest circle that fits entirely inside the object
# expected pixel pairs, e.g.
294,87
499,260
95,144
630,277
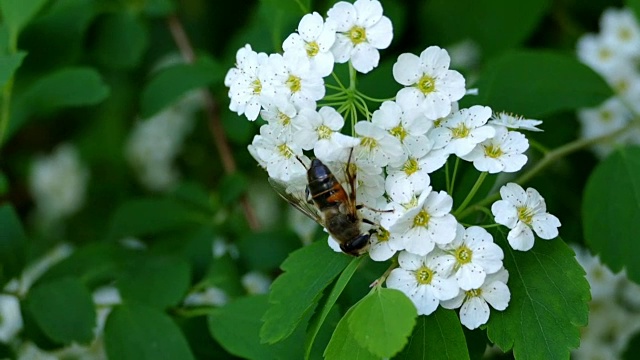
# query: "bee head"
357,246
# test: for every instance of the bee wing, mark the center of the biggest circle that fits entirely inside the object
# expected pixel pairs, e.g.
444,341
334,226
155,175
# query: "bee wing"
297,200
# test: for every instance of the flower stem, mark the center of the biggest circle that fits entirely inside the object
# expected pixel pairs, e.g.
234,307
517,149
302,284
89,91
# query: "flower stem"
7,91
362,95
453,177
471,193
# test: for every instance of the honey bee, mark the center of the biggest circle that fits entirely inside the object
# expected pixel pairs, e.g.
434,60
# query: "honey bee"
331,206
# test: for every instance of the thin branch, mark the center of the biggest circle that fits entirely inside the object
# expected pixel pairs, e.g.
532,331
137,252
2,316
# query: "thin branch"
212,110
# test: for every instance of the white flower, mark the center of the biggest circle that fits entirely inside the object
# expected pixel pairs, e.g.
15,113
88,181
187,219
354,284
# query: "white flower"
514,121
379,249
503,152
521,211
610,116
58,183
463,130
280,115
361,30
619,27
600,55
211,296
475,303
603,282
430,83
377,145
423,281
320,131
289,78
422,227
245,82
279,154
10,318
313,40
256,282
472,255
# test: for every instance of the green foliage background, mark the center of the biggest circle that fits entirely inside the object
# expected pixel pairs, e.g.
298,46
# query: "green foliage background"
80,71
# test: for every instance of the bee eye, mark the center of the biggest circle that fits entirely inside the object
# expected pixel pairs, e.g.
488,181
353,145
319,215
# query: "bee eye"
356,246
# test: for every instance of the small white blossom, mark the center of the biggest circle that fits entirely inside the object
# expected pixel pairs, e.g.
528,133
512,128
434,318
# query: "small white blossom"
463,130
610,116
514,122
521,212
430,84
361,30
379,249
377,145
246,81
600,55
313,40
280,115
619,28
604,283
471,256
211,296
502,153
10,318
423,280
475,303
320,131
278,152
256,282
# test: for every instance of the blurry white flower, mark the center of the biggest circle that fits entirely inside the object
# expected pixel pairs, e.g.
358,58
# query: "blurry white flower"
245,82
514,121
522,211
430,85
463,130
58,183
36,269
598,54
422,279
619,27
604,283
313,39
464,54
361,30
504,152
256,282
10,317
211,296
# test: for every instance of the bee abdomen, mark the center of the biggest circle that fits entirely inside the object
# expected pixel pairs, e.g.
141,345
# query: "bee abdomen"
324,188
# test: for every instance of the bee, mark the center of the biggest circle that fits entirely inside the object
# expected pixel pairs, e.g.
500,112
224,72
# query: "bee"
330,205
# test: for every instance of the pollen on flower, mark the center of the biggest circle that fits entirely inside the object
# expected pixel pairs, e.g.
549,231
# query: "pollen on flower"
369,143
383,234
621,86
463,255
604,54
424,275
411,166
312,48
294,83
493,151
324,132
625,34
525,215
357,35
256,85
399,132
285,151
461,131
284,119
422,219
426,84
473,293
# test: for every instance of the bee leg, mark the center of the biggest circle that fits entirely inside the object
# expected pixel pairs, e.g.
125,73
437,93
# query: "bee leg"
367,221
302,162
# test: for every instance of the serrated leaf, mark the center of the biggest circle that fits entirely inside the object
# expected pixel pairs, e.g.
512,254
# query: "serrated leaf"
157,281
17,14
137,332
146,216
295,293
437,336
13,243
343,346
537,83
50,304
382,321
236,326
549,301
9,63
121,40
171,83
611,210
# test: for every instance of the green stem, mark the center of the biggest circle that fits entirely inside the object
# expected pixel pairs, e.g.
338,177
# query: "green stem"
5,112
362,95
471,193
337,79
453,177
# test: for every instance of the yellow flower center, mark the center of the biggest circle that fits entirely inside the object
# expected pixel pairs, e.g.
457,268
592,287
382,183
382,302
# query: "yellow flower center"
426,84
357,35
461,131
324,132
422,219
284,118
285,151
473,293
493,151
424,275
257,86
383,235
525,215
294,83
606,116
399,132
368,142
312,49
621,86
624,34
463,255
604,54
410,166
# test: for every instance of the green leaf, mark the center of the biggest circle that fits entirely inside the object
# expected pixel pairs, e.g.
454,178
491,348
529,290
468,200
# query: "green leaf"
329,303
382,321
4,184
297,7
51,304
159,7
446,22
17,14
611,211
343,346
13,243
437,336
157,281
232,187
146,216
266,250
168,85
295,293
635,6
137,332
9,63
120,40
549,301
537,83
236,326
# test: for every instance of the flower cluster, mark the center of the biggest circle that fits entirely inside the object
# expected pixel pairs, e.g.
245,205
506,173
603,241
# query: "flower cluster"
614,53
393,151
